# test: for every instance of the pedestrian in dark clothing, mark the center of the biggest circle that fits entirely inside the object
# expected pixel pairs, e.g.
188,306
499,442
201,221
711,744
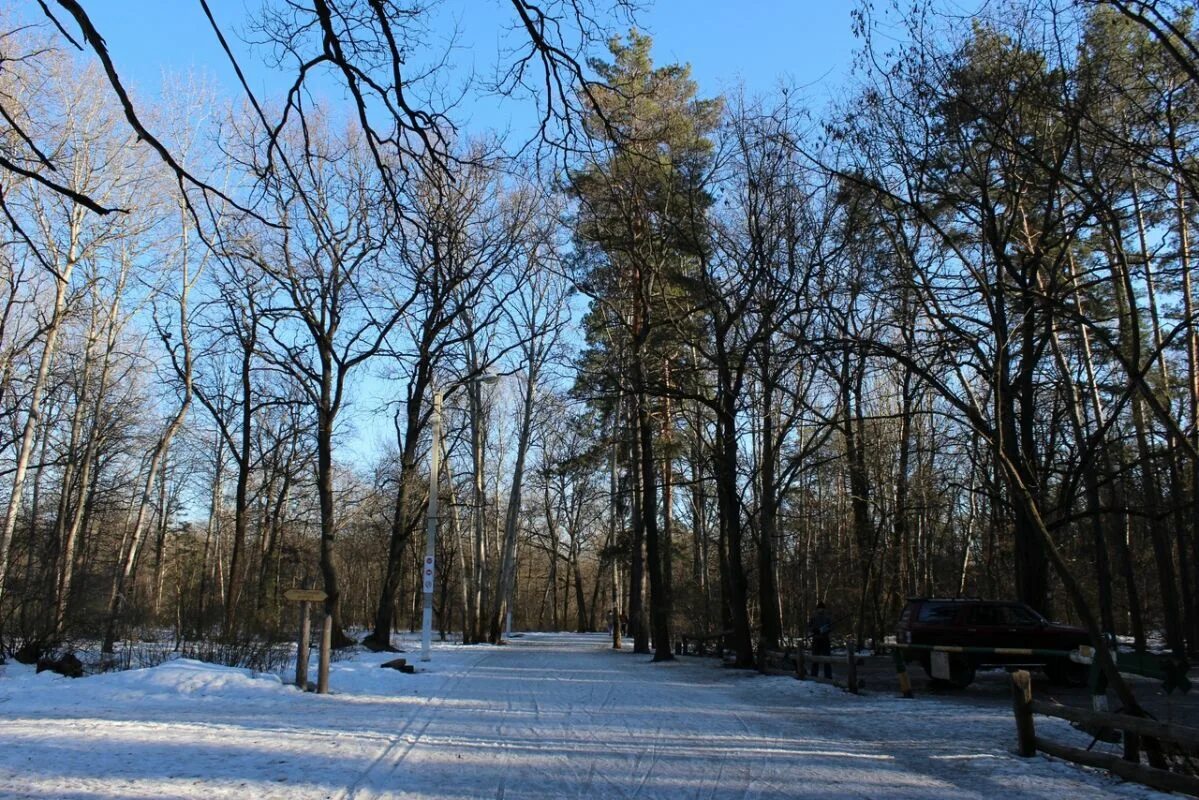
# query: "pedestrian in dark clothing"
820,629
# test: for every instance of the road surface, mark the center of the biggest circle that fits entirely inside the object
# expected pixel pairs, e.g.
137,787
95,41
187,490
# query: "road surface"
548,716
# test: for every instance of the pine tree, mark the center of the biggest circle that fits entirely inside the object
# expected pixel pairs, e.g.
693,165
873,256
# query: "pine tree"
639,225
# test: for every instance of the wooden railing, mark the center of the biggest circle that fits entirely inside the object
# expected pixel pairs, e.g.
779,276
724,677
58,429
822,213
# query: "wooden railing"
796,662
700,644
851,661
1136,732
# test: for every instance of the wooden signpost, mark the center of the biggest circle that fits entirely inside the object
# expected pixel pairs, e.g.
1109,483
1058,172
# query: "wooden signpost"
305,597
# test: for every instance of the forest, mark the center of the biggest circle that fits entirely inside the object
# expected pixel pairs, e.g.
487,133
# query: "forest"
694,362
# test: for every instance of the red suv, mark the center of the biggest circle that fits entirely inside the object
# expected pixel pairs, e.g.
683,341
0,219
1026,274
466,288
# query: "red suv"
1002,624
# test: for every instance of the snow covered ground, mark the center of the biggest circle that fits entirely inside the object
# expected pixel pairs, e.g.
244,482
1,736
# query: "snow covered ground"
550,715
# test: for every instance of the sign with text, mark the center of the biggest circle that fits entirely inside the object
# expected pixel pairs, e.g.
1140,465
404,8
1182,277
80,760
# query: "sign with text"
427,575
311,595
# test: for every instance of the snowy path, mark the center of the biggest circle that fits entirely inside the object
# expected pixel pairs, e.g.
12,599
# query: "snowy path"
548,716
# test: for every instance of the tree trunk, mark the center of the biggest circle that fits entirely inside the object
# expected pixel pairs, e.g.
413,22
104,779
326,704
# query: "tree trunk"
402,518
660,604
241,492
25,447
73,480
637,627
122,583
768,592
507,577
324,488
1192,348
479,545
734,583
1116,533
1130,337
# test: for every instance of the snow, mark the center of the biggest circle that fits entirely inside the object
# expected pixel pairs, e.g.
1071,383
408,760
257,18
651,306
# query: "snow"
549,715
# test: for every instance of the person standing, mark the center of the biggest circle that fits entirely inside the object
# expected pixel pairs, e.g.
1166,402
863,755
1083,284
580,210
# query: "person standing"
820,630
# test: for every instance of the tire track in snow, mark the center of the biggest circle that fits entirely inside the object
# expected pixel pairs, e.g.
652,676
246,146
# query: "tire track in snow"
388,762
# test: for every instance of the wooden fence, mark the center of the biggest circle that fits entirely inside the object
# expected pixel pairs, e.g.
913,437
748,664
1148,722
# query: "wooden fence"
798,661
1138,734
700,644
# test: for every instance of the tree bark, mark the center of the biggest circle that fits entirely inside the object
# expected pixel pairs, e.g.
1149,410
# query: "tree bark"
507,577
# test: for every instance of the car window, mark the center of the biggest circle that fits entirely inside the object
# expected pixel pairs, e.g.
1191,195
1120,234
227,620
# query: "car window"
1021,616
987,615
937,613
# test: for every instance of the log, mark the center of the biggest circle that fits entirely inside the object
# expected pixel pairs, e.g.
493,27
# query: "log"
1149,776
776,659
1187,738
839,660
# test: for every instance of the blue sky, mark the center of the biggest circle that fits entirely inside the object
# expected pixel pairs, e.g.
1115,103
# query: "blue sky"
757,42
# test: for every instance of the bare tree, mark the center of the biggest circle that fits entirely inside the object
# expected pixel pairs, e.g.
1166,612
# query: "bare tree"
539,316
59,233
329,315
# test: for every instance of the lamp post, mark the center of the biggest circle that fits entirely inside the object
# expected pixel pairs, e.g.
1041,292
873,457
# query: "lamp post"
428,572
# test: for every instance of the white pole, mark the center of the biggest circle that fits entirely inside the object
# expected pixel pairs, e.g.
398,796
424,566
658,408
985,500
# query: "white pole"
429,570
426,636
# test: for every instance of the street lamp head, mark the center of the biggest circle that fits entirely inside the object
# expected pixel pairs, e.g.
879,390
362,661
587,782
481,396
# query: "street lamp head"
487,377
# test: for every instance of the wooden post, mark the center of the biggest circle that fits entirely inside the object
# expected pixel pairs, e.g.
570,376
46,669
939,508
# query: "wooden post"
322,676
1132,747
1026,734
852,665
901,670
302,650
304,597
801,670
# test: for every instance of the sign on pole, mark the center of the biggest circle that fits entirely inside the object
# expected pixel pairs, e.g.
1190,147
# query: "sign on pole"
428,575
304,595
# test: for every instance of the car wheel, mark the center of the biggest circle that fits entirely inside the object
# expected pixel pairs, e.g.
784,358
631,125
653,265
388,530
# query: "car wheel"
961,675
1066,673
